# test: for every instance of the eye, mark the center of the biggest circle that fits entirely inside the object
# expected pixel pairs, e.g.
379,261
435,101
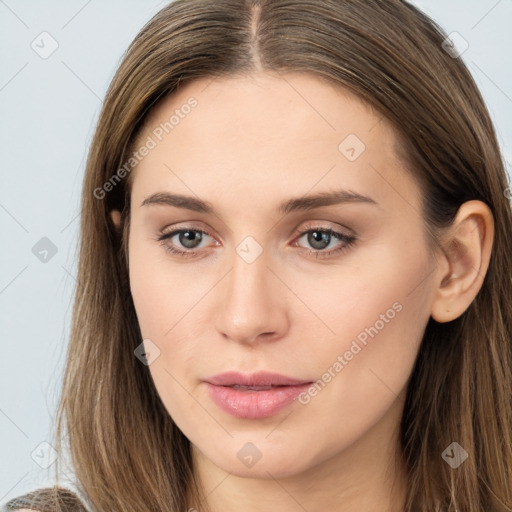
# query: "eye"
188,238
321,237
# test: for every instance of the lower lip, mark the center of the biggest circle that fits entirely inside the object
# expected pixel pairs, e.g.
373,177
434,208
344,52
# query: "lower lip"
254,404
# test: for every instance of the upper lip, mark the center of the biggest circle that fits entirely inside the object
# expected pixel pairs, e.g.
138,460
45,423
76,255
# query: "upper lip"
254,379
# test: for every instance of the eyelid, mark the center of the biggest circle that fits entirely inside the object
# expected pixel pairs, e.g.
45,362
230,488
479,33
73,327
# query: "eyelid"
195,225
324,226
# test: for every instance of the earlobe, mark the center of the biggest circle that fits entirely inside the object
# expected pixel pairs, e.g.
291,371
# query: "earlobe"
115,217
466,256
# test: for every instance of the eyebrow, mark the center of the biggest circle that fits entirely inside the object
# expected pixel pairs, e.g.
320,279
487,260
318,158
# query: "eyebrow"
303,203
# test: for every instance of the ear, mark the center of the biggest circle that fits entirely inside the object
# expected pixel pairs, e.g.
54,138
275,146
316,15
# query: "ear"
464,261
115,217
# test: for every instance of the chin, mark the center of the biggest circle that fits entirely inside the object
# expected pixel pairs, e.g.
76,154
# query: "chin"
273,463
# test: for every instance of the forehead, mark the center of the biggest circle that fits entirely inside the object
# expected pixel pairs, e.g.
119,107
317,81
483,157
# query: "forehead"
263,104
264,132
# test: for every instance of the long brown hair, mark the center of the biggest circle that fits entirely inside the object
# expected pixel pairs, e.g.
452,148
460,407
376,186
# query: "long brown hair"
127,452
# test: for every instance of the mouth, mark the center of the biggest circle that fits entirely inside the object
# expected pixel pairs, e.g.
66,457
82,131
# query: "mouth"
254,396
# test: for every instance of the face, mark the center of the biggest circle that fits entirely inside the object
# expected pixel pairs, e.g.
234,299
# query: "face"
251,276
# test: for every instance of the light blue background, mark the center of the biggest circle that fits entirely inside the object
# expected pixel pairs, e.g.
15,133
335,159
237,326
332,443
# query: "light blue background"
49,108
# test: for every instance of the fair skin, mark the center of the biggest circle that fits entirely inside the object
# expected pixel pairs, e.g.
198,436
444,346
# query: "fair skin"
250,144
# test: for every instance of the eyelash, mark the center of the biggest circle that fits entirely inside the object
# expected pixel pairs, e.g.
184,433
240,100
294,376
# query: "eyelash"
348,241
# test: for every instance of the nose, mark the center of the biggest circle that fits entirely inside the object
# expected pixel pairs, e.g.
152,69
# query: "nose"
251,302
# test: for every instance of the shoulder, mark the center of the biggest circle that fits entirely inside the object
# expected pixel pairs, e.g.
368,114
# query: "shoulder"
46,500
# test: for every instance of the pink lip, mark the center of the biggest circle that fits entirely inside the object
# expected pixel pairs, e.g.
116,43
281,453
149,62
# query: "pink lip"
253,404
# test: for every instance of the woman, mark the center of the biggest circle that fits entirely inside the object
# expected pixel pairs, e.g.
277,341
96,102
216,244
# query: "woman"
339,336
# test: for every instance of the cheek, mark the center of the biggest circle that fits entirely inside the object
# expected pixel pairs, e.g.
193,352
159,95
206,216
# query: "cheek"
381,285
379,313
161,295
149,300
166,301
374,310
161,305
